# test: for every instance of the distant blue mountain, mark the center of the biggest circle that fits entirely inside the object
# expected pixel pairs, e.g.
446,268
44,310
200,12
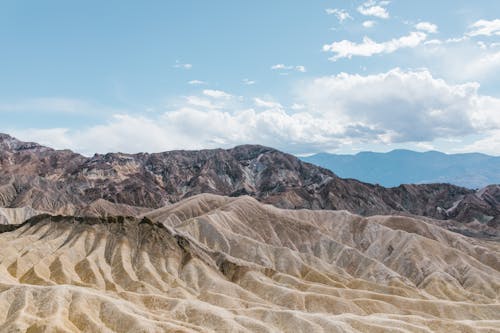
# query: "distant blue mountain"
472,170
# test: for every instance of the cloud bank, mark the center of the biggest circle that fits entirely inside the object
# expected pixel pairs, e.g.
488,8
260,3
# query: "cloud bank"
388,108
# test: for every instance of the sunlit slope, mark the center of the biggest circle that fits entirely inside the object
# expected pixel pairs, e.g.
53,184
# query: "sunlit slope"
219,264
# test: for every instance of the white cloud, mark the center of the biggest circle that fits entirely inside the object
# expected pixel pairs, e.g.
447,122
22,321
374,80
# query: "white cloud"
427,27
340,14
209,99
400,106
196,82
374,8
216,94
181,65
489,144
391,108
485,28
457,39
248,82
58,138
267,104
300,68
433,42
460,59
174,130
482,45
369,24
348,49
197,101
425,146
486,64
376,11
297,106
280,67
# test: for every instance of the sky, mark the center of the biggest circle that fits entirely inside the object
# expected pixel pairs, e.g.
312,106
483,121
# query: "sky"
301,76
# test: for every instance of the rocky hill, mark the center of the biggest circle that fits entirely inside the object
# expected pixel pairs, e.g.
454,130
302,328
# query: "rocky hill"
238,240
63,182
222,264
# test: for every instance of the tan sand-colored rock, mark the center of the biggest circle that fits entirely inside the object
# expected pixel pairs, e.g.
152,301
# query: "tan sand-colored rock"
219,264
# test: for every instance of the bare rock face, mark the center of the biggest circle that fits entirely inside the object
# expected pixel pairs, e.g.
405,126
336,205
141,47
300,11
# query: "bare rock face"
482,206
224,264
63,182
17,215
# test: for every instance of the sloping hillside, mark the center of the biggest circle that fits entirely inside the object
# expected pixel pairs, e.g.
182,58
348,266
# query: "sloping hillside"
220,264
63,182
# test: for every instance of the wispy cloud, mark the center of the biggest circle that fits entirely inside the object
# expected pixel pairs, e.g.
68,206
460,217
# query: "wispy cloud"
216,94
196,82
297,106
485,28
201,102
461,58
182,65
369,24
267,104
340,14
248,82
298,68
348,49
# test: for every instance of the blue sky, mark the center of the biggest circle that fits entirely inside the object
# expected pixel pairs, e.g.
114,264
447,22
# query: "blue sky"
301,76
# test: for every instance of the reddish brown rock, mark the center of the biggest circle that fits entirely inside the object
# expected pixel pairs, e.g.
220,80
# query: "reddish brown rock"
61,181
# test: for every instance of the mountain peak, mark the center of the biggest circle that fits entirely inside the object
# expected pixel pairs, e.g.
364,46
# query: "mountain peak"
6,137
13,144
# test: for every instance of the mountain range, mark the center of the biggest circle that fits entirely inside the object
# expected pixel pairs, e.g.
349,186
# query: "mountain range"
248,239
64,182
471,170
